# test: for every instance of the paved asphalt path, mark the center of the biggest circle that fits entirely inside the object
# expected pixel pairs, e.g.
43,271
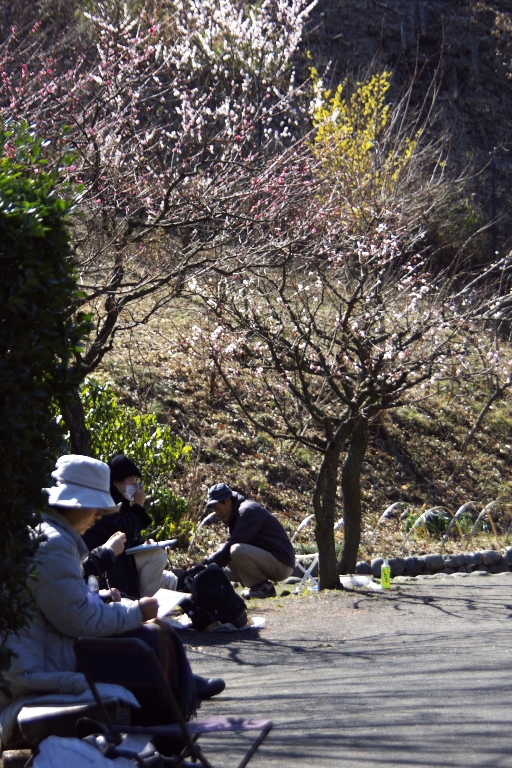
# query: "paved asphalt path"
418,676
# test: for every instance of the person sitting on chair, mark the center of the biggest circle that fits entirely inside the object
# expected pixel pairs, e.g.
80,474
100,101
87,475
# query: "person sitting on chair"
258,549
63,608
142,573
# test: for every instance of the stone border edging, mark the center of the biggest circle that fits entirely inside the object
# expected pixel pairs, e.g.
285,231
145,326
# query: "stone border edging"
480,563
441,576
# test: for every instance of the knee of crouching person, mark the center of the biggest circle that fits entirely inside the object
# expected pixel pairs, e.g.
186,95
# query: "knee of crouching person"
236,553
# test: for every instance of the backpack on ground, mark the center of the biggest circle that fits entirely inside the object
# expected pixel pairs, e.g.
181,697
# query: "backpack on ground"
213,598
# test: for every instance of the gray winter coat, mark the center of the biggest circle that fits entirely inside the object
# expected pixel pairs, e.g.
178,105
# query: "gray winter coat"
63,609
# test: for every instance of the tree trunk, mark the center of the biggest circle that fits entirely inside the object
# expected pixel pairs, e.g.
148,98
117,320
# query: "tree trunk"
74,419
324,505
351,488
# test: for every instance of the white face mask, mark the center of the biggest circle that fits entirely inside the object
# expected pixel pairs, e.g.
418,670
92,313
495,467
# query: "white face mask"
130,491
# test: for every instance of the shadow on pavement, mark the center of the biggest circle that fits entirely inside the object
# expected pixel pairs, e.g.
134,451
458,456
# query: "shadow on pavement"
417,677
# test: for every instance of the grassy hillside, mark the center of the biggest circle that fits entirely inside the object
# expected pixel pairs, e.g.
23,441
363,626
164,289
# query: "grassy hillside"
414,453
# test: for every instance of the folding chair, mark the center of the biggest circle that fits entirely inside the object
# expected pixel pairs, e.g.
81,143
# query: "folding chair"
307,563
36,722
132,663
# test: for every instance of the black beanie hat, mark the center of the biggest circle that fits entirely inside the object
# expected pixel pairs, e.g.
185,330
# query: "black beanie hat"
121,466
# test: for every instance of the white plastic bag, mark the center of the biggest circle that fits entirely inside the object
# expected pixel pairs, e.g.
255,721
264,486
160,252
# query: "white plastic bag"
360,581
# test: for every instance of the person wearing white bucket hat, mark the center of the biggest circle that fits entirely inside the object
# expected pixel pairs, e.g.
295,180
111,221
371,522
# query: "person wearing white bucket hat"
81,482
82,491
63,608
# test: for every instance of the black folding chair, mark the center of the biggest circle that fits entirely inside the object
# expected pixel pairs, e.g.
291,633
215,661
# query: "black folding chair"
132,663
35,722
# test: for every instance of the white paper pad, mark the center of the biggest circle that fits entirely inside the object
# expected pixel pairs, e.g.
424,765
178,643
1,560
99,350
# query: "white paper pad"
168,600
183,622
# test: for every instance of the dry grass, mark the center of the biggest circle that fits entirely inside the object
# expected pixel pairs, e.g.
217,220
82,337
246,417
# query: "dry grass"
413,456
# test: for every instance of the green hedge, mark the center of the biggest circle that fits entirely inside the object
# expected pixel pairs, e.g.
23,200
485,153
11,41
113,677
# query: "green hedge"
38,341
117,428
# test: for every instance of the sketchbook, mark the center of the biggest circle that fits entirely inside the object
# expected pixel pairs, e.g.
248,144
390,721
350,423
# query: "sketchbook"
146,547
168,600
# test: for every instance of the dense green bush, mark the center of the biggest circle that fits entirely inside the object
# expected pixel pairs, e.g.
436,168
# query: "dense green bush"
116,428
38,342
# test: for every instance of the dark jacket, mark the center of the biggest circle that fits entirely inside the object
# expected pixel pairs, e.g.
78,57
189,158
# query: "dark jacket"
97,563
251,523
121,571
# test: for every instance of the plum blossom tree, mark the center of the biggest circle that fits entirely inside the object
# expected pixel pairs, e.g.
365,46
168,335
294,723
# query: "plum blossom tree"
169,112
340,318
315,348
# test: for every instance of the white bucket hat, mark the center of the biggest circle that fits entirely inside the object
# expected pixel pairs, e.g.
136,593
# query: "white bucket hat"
81,482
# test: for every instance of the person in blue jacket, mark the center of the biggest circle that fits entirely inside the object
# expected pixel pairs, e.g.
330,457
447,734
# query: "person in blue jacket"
258,549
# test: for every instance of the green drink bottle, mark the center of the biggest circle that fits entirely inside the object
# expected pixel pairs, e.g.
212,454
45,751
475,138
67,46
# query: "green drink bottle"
385,575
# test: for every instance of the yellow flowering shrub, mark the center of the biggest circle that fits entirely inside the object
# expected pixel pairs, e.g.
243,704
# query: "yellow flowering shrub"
354,133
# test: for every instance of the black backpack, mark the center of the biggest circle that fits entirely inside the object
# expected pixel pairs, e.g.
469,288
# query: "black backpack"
213,597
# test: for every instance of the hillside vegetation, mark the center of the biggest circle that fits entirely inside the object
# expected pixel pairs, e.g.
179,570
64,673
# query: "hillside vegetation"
414,454
292,237
467,46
